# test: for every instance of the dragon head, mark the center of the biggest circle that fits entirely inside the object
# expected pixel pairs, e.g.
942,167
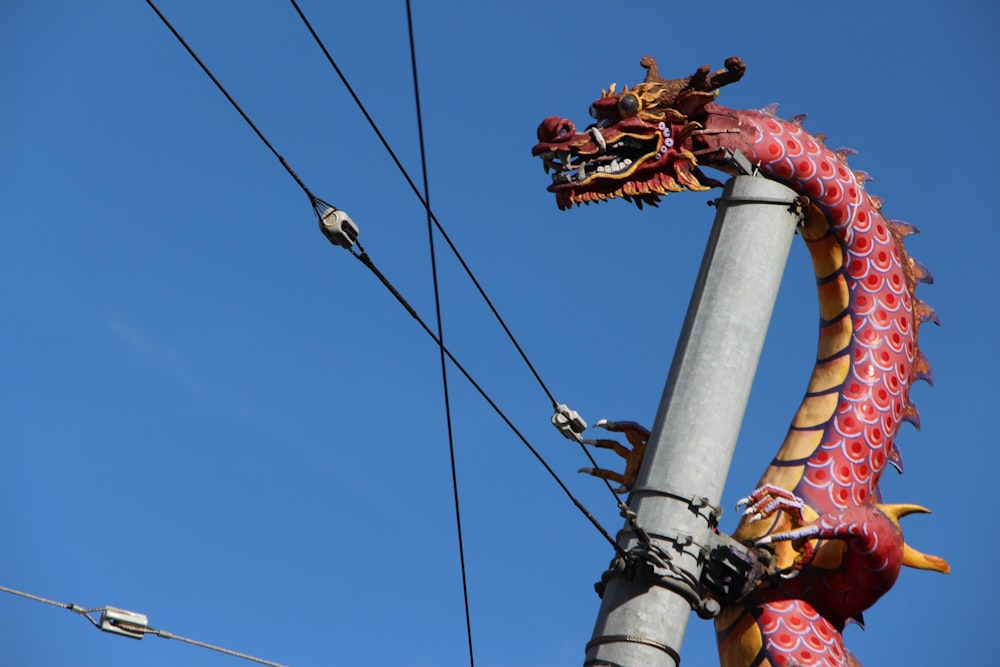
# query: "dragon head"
641,143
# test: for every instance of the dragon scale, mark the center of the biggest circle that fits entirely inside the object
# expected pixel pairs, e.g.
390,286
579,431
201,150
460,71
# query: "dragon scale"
818,506
843,434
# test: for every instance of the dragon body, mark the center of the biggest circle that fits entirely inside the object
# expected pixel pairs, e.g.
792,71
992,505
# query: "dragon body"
817,506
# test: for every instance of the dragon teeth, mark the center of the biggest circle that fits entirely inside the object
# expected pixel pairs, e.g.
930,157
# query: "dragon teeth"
599,139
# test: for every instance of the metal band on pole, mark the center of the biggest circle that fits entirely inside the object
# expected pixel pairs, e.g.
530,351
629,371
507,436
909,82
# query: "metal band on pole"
697,423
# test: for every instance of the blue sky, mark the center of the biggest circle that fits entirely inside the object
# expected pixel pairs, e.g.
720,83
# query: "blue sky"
211,416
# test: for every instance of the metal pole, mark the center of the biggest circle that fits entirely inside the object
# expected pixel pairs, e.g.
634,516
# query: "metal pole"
694,434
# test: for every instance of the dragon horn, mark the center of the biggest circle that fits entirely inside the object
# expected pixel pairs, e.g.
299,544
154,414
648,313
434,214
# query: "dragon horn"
912,557
652,71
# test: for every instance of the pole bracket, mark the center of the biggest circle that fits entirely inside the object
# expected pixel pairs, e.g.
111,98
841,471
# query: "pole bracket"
730,572
651,562
797,206
632,639
695,502
733,570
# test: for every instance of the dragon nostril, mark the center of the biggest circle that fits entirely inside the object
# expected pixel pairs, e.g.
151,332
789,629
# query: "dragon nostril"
555,128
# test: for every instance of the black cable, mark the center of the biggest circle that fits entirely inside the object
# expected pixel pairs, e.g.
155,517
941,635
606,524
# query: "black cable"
430,214
440,330
318,203
424,202
291,172
367,261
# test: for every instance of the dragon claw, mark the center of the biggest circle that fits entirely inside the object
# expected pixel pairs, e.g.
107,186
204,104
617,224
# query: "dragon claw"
807,531
767,499
636,435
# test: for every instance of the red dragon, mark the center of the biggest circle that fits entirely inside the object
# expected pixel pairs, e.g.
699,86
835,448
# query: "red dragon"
818,505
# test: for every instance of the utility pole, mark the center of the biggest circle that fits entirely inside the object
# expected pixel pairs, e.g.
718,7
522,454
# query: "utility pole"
644,614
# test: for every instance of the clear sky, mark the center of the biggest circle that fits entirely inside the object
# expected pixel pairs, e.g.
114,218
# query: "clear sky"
211,416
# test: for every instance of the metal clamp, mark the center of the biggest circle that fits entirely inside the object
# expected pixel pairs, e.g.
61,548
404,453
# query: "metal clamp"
739,162
631,639
338,227
655,567
797,206
125,623
694,502
730,570
734,570
569,422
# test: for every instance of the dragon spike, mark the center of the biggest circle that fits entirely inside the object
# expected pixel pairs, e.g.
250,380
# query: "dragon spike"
903,228
922,561
876,202
911,415
821,138
897,511
771,109
857,619
920,272
895,459
922,369
843,152
798,118
862,177
912,557
925,313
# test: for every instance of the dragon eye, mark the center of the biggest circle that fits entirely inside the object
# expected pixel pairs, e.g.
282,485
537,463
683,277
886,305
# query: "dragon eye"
628,105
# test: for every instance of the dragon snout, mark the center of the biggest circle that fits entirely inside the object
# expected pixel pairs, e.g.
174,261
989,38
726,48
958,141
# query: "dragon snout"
555,130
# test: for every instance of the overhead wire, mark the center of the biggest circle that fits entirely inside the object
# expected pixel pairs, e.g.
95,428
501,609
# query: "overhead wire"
424,202
361,255
440,330
135,629
365,259
291,172
458,255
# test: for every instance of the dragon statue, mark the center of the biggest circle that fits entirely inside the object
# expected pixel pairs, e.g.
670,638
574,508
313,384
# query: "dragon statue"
838,547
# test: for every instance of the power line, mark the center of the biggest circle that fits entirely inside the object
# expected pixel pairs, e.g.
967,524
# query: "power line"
361,255
312,198
132,624
433,219
348,241
424,202
440,330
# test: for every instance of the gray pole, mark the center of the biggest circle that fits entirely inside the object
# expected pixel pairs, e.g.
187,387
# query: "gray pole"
692,440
